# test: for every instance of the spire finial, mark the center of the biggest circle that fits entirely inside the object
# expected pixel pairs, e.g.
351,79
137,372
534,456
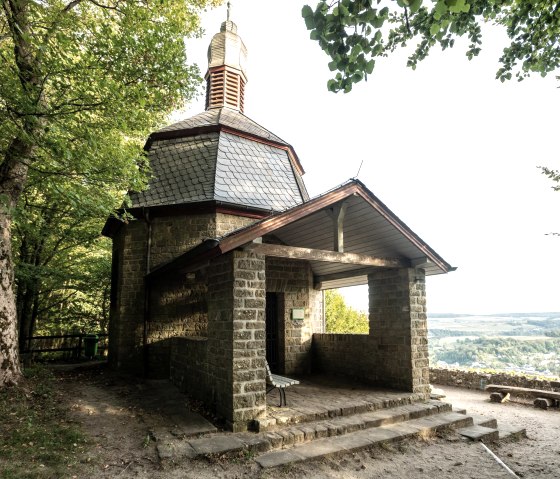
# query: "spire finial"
228,10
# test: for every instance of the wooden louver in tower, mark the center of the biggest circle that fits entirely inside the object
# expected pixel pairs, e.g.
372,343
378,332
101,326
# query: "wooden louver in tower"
226,76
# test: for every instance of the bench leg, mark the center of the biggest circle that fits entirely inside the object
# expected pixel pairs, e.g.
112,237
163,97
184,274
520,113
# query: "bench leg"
282,393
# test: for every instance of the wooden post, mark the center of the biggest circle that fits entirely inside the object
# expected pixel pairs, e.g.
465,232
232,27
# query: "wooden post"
337,213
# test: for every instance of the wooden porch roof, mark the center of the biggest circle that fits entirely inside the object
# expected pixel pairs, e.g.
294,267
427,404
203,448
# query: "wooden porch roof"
345,234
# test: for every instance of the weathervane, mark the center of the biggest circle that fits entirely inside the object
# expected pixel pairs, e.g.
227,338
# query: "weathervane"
228,10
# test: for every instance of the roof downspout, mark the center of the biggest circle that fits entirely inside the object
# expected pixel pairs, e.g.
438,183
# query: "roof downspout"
146,214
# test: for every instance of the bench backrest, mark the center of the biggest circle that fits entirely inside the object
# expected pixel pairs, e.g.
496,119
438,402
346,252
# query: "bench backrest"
268,372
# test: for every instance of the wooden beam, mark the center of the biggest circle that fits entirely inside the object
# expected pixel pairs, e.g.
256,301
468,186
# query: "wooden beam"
320,280
337,212
422,262
323,278
293,252
536,393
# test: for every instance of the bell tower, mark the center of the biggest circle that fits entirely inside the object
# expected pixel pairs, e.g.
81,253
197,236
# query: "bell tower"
227,75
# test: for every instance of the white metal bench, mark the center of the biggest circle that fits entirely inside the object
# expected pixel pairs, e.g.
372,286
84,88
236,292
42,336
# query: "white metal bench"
273,381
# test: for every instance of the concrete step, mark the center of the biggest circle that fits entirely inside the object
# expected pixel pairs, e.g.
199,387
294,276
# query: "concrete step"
363,438
479,433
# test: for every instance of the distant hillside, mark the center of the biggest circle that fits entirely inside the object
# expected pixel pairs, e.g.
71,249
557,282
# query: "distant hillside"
522,342
498,315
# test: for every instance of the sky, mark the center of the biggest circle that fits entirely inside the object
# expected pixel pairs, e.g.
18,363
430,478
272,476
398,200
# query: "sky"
451,151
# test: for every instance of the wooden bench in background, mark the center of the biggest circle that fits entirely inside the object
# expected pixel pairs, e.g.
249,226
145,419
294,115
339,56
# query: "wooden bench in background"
273,381
543,399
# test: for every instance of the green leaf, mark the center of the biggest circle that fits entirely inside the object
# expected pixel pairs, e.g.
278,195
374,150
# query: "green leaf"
332,85
434,28
356,50
310,22
306,11
415,5
357,77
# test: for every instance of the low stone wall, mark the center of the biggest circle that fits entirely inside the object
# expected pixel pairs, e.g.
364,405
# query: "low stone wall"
479,379
349,355
189,366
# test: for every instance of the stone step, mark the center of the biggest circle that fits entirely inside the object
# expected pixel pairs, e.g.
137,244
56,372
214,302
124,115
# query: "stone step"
281,417
480,420
507,431
338,434
364,438
504,431
479,433
339,426
173,449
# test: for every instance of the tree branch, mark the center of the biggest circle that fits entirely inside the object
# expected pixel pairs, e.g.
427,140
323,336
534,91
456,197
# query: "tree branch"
71,5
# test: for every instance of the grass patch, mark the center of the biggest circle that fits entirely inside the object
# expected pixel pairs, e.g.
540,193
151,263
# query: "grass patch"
36,438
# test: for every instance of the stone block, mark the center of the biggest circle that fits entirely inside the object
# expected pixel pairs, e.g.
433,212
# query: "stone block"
217,445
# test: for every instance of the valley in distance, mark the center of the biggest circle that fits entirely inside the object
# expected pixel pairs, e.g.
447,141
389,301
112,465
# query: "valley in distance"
527,343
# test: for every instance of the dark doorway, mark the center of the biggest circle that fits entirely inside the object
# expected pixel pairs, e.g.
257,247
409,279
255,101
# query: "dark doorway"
272,330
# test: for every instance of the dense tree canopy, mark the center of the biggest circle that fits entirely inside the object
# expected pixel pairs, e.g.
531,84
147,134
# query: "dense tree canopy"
62,265
82,82
341,318
356,32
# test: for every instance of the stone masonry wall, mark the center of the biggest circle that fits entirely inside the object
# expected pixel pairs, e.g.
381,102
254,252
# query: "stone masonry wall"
126,326
174,235
294,279
348,355
228,223
479,379
189,366
398,323
236,337
177,304
177,308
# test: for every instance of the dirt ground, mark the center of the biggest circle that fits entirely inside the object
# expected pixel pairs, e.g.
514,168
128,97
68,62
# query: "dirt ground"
110,411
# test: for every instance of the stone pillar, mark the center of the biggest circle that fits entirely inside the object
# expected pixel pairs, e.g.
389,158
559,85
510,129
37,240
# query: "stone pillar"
126,324
236,337
398,325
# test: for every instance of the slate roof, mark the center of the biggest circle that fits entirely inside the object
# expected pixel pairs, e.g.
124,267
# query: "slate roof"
226,117
183,171
254,174
220,166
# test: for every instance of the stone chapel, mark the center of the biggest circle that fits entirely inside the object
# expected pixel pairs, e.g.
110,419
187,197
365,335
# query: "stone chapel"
225,260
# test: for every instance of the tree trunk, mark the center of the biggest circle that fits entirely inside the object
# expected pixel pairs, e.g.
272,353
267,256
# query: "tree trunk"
10,371
13,176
